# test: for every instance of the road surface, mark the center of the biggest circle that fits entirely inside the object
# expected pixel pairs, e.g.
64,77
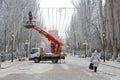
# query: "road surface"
74,69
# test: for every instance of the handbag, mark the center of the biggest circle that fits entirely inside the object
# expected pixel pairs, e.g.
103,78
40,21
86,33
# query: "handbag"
91,66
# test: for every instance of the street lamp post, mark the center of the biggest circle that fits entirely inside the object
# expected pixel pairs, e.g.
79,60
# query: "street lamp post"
74,42
86,44
27,47
12,36
104,35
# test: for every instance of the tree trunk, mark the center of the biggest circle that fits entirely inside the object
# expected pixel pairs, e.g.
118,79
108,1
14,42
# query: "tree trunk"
115,52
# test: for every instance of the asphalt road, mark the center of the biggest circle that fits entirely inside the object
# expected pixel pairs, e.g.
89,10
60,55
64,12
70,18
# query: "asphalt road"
73,69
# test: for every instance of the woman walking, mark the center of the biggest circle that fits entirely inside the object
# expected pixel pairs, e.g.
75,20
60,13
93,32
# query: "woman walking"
95,60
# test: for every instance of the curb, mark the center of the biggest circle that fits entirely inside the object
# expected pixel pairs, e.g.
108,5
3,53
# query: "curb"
8,66
110,65
103,63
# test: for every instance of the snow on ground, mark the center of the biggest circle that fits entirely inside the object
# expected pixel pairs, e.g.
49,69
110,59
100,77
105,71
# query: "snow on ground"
26,68
29,67
7,64
115,78
107,71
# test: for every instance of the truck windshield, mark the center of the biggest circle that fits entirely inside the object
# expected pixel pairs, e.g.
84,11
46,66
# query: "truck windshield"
34,51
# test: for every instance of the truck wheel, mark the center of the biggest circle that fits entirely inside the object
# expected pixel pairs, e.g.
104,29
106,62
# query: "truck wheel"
55,60
36,60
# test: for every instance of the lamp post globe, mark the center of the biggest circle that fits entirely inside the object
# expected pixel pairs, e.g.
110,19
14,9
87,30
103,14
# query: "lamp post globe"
12,35
26,40
104,34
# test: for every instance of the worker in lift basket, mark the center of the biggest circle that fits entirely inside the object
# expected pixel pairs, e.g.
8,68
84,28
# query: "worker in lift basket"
30,16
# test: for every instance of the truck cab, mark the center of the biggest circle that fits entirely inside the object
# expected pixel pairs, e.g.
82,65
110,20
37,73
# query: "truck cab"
35,52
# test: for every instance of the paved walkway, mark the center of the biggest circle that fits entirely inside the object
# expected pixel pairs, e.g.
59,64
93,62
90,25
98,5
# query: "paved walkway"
114,64
111,63
6,64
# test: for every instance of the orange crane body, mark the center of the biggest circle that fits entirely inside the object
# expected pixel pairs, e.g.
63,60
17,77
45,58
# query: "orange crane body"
56,45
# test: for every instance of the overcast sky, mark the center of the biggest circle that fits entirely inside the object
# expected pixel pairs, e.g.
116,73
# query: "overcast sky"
56,3
58,16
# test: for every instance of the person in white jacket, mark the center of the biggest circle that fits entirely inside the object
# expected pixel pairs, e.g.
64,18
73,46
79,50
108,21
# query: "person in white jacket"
95,60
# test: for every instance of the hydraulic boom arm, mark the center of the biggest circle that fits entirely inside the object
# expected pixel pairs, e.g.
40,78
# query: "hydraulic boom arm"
55,44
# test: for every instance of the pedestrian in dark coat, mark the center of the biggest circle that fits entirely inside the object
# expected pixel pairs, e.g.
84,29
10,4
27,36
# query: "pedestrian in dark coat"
30,16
